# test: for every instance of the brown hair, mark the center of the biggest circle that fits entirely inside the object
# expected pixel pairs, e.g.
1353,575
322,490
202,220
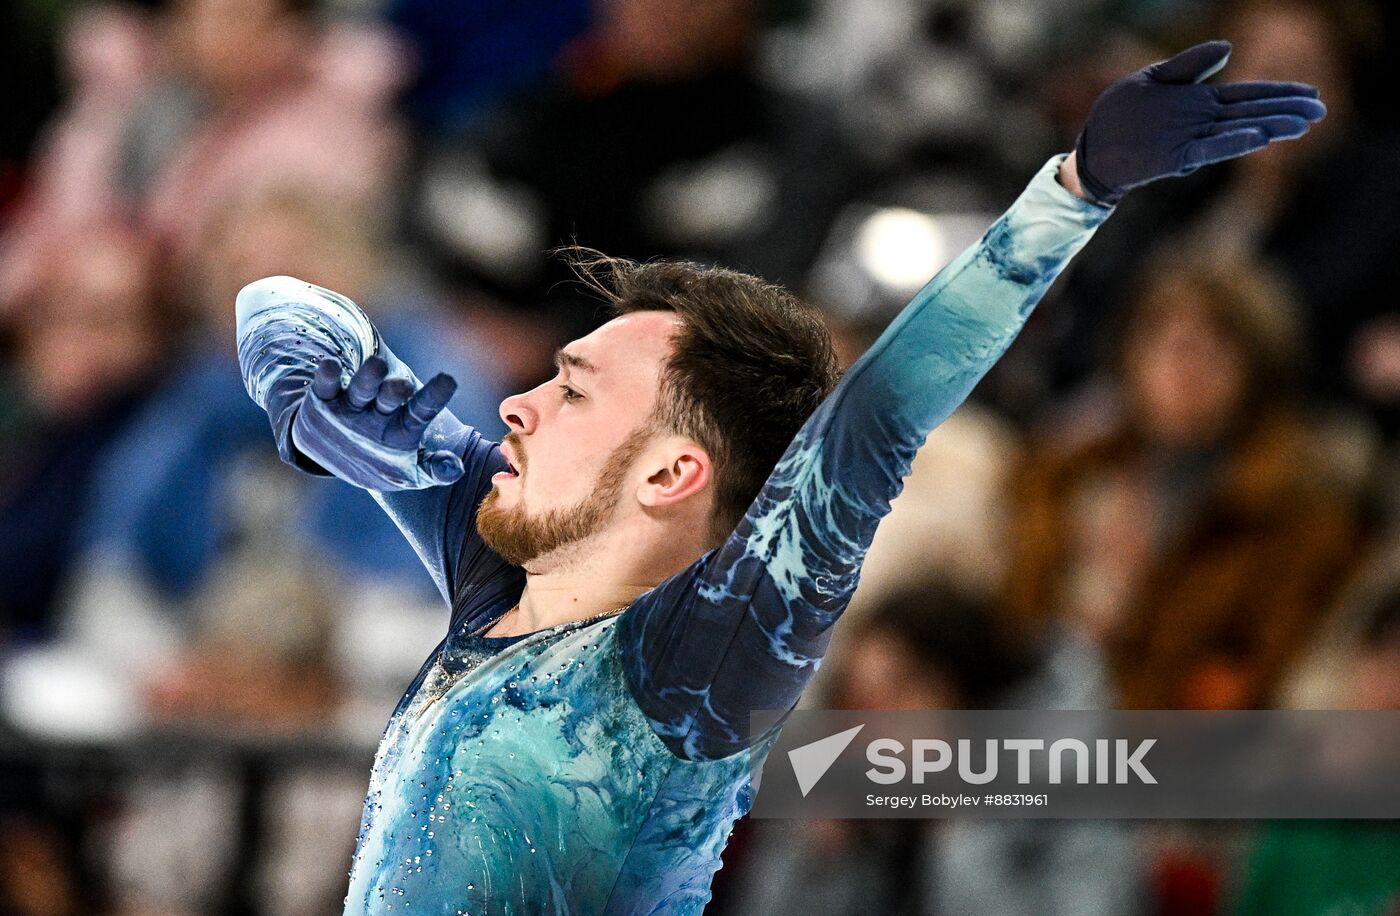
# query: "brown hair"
751,363
1354,28
1249,305
956,634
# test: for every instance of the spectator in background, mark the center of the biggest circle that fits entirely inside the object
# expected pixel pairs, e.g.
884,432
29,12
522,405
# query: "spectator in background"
930,647
1327,212
83,352
655,139
1323,213
165,508
1200,535
194,589
170,116
1297,868
249,142
105,53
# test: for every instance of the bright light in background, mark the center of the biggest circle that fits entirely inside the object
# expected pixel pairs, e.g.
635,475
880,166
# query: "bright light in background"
875,258
901,248
62,693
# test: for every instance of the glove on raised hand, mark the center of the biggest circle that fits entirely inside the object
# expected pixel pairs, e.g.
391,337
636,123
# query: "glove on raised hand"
1162,121
296,341
370,431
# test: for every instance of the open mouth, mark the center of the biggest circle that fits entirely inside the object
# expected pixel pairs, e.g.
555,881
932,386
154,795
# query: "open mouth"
511,469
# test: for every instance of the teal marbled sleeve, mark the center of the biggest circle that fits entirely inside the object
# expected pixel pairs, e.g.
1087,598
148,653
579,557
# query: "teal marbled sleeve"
749,627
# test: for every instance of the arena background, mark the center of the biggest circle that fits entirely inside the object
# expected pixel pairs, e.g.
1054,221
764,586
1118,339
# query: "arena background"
1176,491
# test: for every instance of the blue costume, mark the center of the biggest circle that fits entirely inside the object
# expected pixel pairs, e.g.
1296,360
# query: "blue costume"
597,766
160,488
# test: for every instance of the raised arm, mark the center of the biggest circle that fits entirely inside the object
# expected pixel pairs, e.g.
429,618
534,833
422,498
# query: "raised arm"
383,431
746,627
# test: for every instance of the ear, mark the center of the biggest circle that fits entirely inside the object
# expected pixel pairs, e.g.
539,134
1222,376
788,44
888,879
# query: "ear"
680,470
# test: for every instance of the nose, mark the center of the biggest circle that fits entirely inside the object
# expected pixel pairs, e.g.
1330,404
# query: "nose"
518,415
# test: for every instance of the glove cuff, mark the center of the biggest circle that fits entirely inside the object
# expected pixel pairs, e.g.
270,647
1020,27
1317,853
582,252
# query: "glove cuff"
1102,194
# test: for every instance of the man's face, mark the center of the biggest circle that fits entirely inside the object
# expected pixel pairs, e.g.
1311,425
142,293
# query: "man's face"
573,441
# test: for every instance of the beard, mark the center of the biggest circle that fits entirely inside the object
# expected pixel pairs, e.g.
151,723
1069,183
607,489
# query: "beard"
520,536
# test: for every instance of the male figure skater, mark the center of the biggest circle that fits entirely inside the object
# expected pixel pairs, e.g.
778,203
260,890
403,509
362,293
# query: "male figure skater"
672,525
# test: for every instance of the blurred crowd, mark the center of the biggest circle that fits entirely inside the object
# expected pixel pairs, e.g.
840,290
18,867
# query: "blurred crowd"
1174,492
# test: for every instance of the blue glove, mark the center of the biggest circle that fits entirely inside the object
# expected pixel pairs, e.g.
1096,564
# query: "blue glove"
1161,121
370,432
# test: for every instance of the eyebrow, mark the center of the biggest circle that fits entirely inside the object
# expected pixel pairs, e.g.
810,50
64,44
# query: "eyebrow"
564,358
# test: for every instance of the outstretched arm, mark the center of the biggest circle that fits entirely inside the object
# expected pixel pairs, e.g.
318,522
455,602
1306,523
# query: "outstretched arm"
383,431
746,627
